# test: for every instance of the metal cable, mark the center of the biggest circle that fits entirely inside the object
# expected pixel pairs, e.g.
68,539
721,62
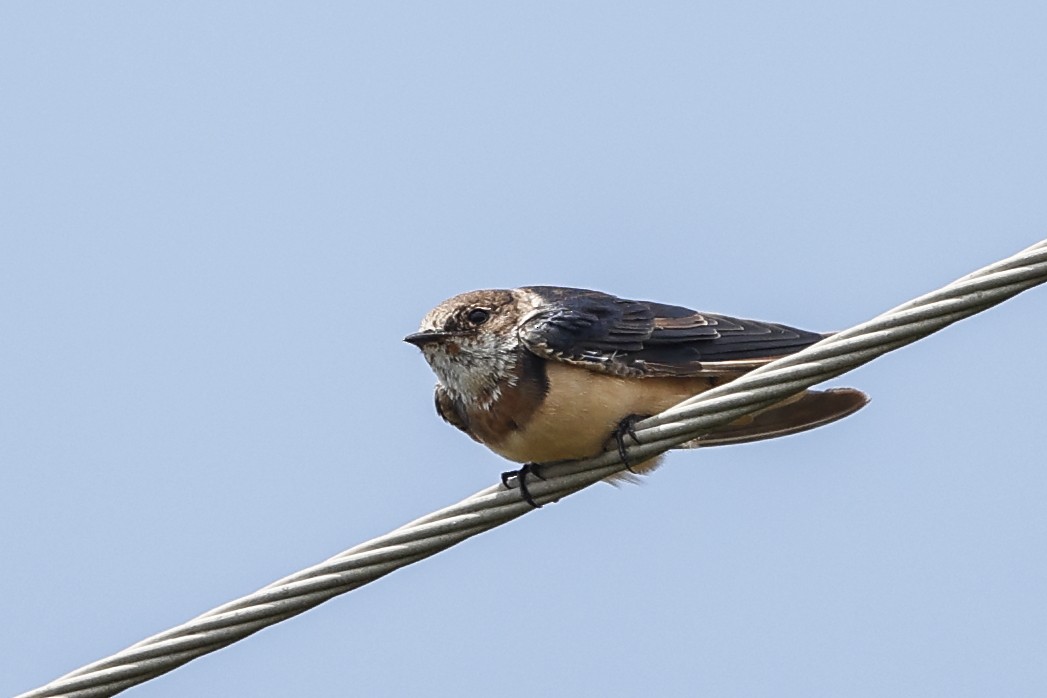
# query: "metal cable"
495,505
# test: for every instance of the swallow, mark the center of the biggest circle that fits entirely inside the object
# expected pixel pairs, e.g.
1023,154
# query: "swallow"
547,373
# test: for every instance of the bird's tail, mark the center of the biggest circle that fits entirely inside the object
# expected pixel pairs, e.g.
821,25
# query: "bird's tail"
803,411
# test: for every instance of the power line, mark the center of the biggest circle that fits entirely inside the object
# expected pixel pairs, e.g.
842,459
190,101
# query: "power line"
496,505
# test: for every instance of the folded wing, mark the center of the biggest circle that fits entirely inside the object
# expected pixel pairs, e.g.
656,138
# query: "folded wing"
642,339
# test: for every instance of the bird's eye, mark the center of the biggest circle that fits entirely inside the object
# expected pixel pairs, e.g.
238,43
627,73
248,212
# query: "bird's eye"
478,316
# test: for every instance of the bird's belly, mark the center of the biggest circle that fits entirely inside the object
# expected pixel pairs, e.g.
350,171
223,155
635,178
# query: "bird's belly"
582,409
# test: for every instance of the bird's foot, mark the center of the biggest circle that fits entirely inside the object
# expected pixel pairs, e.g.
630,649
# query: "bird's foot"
521,481
626,427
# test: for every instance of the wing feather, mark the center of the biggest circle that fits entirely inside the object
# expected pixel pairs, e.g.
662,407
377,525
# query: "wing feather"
641,339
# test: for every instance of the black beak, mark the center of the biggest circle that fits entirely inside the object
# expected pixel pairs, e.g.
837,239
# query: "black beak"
420,339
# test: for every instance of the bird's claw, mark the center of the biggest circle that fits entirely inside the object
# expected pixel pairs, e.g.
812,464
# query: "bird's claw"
521,481
626,427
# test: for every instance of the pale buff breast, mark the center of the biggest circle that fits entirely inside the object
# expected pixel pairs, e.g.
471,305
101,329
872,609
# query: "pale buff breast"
583,408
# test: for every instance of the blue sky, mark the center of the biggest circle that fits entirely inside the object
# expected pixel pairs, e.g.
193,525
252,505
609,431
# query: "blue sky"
219,220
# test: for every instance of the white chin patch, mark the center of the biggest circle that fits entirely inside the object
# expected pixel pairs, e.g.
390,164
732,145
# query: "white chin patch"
475,372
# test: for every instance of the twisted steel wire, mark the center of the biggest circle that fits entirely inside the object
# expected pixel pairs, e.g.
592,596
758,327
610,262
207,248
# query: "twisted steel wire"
496,505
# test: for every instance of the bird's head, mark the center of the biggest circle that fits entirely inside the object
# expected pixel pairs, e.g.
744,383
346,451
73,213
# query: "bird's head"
471,342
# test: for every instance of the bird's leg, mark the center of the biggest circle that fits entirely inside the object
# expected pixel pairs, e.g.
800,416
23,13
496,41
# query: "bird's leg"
521,481
626,427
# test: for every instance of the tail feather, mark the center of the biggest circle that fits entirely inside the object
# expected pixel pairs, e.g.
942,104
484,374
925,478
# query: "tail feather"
803,411
806,410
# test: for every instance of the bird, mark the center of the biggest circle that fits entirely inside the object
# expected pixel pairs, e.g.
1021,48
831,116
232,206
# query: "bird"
549,373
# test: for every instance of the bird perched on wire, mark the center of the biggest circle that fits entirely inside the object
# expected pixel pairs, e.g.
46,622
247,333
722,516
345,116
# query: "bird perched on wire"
545,373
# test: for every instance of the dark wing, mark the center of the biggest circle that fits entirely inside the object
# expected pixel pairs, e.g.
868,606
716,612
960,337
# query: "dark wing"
637,338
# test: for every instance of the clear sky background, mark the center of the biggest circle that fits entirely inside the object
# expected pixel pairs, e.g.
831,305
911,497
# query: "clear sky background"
218,220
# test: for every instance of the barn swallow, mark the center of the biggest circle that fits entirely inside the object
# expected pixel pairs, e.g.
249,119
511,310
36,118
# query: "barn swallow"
545,373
